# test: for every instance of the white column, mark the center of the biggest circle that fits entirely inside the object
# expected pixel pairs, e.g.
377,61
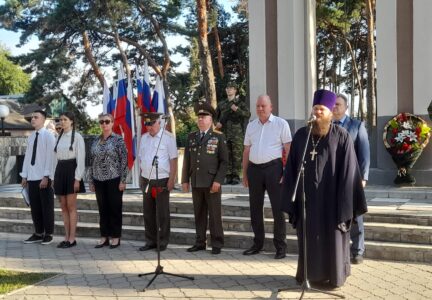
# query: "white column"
257,52
386,58
422,52
296,57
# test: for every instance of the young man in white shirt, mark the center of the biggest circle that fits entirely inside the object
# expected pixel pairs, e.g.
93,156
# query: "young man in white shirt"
37,175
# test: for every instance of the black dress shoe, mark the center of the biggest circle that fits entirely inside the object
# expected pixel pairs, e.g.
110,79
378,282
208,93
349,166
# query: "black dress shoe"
196,248
147,247
100,245
280,254
61,244
112,246
68,244
252,250
216,250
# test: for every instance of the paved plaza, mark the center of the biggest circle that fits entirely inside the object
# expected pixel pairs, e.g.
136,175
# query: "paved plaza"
88,273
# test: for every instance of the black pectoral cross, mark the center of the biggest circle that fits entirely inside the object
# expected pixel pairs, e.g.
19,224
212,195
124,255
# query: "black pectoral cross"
313,153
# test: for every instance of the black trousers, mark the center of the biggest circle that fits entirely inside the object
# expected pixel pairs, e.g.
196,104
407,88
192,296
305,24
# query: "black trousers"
149,207
206,203
42,207
110,203
261,178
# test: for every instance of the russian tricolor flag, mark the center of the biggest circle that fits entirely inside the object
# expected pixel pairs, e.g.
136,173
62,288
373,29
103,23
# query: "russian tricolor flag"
158,101
108,100
123,116
144,93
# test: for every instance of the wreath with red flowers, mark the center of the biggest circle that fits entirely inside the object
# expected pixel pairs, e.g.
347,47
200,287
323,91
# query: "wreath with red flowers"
405,137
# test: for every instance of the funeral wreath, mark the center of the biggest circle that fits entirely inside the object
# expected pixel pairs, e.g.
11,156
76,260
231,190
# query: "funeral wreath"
405,137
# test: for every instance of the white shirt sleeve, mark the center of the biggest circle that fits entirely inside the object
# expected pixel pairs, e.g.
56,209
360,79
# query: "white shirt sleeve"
80,156
141,150
49,161
247,139
286,132
24,171
172,148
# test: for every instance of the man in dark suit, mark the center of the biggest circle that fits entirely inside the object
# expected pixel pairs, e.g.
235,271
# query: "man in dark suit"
204,167
358,133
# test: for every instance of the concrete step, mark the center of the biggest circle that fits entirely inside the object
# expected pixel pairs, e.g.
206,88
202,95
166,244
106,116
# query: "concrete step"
233,239
386,232
235,206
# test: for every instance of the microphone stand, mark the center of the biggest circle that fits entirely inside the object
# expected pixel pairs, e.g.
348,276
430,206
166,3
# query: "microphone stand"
159,269
305,285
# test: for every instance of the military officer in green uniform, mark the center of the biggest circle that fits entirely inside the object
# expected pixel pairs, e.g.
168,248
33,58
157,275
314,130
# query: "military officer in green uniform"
231,115
204,167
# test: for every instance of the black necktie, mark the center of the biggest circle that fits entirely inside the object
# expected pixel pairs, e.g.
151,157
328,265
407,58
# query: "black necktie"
339,123
202,136
33,159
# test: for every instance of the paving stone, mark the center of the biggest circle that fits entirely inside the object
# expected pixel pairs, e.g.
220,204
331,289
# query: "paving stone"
230,276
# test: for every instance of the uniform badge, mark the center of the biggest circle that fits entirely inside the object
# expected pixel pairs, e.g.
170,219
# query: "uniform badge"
192,146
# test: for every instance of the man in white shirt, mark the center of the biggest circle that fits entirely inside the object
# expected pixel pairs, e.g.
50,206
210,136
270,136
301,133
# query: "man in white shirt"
161,179
37,174
266,138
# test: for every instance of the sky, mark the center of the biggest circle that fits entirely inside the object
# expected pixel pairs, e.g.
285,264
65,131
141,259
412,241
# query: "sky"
10,40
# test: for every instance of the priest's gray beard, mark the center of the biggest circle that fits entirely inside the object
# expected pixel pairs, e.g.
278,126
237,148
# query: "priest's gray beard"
322,126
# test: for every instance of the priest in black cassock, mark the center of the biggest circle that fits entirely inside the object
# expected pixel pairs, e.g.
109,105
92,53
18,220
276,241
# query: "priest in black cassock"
334,195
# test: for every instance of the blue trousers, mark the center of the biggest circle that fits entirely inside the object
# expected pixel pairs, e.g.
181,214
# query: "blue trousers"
357,237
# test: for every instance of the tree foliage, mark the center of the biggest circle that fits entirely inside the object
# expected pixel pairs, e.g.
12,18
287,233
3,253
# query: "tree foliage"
13,80
344,45
80,38
81,41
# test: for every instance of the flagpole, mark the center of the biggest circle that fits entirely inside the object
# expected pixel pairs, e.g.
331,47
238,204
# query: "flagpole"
135,167
139,130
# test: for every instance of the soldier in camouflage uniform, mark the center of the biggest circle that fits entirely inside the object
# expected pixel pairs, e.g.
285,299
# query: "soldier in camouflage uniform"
231,115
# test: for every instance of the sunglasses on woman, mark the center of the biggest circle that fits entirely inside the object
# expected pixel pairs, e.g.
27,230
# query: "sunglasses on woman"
104,121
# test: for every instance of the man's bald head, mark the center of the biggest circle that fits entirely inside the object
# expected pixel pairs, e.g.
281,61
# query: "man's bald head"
264,108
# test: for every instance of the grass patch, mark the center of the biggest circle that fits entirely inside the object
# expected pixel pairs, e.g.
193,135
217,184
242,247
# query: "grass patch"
12,280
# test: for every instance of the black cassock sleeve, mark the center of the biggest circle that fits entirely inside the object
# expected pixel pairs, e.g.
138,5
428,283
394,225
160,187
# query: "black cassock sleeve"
350,194
290,176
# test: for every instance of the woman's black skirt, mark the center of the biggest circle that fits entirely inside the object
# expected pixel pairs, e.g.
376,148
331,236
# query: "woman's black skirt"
64,178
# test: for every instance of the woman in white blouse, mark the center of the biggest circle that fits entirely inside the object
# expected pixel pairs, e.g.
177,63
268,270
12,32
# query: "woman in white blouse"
69,171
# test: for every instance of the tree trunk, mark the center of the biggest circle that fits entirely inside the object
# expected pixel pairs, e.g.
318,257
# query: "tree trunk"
205,57
355,70
325,68
370,90
91,59
362,103
156,26
219,51
122,53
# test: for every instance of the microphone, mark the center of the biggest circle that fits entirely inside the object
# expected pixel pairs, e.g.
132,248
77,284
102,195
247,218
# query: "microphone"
311,119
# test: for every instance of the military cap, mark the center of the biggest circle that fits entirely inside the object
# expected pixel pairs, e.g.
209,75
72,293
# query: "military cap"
204,108
232,84
149,118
